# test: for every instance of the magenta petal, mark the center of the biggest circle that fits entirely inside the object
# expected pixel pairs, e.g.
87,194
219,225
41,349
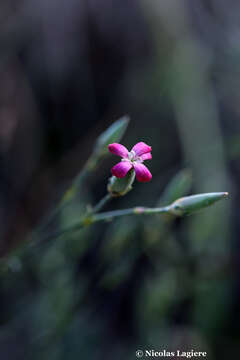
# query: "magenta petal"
121,169
146,156
142,173
141,148
118,149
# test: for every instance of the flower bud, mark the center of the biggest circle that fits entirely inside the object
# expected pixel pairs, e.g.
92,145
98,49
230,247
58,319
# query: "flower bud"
189,204
113,134
121,186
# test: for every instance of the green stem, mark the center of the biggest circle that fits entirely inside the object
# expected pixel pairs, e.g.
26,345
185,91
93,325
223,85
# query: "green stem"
104,216
132,211
101,203
68,195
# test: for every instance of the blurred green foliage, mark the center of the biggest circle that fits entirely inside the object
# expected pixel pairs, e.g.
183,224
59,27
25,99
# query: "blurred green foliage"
155,282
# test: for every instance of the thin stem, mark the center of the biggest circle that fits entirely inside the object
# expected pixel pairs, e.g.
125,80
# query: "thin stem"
101,203
91,219
132,211
67,196
48,220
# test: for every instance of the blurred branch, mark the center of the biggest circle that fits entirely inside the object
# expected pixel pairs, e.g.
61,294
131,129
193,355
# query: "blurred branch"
101,203
113,133
180,207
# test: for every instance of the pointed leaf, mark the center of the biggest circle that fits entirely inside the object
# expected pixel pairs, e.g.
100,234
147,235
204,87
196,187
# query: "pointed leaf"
189,204
114,133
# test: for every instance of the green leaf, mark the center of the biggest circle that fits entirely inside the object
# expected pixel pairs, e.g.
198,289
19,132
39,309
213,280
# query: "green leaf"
114,133
189,204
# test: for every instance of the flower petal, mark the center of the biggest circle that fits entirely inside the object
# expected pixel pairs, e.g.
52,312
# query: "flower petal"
118,149
142,173
146,156
141,148
121,169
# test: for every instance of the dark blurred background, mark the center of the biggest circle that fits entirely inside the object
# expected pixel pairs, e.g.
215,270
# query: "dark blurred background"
68,69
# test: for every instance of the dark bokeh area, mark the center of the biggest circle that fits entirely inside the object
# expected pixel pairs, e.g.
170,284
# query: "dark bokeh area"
69,69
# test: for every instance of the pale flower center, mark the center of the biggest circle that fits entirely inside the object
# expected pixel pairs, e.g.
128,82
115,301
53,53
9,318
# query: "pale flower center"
133,158
131,155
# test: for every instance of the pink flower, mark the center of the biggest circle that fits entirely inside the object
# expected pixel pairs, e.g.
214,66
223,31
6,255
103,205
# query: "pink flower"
132,159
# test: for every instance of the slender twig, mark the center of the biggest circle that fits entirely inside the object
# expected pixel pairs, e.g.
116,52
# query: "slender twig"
104,216
101,203
180,207
139,210
67,197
